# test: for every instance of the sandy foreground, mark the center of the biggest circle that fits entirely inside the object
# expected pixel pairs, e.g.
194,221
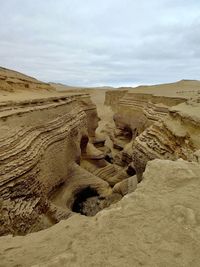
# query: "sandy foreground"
158,225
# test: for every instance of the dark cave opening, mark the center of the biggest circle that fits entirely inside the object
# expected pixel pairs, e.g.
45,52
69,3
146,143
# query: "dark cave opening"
131,170
83,143
128,132
81,197
109,158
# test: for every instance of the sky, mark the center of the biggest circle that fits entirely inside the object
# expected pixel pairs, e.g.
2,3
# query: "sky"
101,42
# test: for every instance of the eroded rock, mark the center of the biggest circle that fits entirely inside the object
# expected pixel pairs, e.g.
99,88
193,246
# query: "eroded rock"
56,163
159,222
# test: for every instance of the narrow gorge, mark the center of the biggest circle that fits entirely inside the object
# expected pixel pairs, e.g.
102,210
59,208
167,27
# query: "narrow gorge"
87,164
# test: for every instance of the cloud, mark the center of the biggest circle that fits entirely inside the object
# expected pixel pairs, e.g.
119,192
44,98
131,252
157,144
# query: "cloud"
108,42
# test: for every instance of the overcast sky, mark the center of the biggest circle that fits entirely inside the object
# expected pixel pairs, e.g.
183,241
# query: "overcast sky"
102,42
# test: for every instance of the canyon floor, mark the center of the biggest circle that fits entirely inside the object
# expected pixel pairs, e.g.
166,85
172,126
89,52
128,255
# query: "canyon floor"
128,158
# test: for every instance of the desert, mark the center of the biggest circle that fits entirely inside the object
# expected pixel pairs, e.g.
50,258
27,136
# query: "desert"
100,133
98,176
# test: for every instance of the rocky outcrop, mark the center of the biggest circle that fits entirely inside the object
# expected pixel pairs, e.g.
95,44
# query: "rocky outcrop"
40,140
176,136
150,126
134,112
126,186
137,111
52,162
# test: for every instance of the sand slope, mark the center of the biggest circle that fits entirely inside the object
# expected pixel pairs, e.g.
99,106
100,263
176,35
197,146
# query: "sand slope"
180,88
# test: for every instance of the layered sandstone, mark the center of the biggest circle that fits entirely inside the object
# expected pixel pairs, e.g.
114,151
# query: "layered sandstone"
136,110
177,136
40,142
34,153
149,126
48,157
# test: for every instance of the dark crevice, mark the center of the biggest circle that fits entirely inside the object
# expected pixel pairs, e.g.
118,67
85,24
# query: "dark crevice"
109,158
127,132
81,197
83,143
131,171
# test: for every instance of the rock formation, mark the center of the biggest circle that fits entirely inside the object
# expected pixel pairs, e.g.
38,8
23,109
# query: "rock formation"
149,126
49,159
157,225
131,166
172,138
35,156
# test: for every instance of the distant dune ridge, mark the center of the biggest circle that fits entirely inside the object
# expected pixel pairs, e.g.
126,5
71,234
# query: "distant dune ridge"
11,81
60,86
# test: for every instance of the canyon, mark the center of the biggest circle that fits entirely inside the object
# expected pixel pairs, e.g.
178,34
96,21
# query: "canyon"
105,177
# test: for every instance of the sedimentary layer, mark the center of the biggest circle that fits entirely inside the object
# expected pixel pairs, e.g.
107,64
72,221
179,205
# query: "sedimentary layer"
136,108
40,140
176,136
150,126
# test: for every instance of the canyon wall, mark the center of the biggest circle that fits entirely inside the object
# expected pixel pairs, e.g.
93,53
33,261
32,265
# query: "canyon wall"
150,126
138,109
54,166
40,142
